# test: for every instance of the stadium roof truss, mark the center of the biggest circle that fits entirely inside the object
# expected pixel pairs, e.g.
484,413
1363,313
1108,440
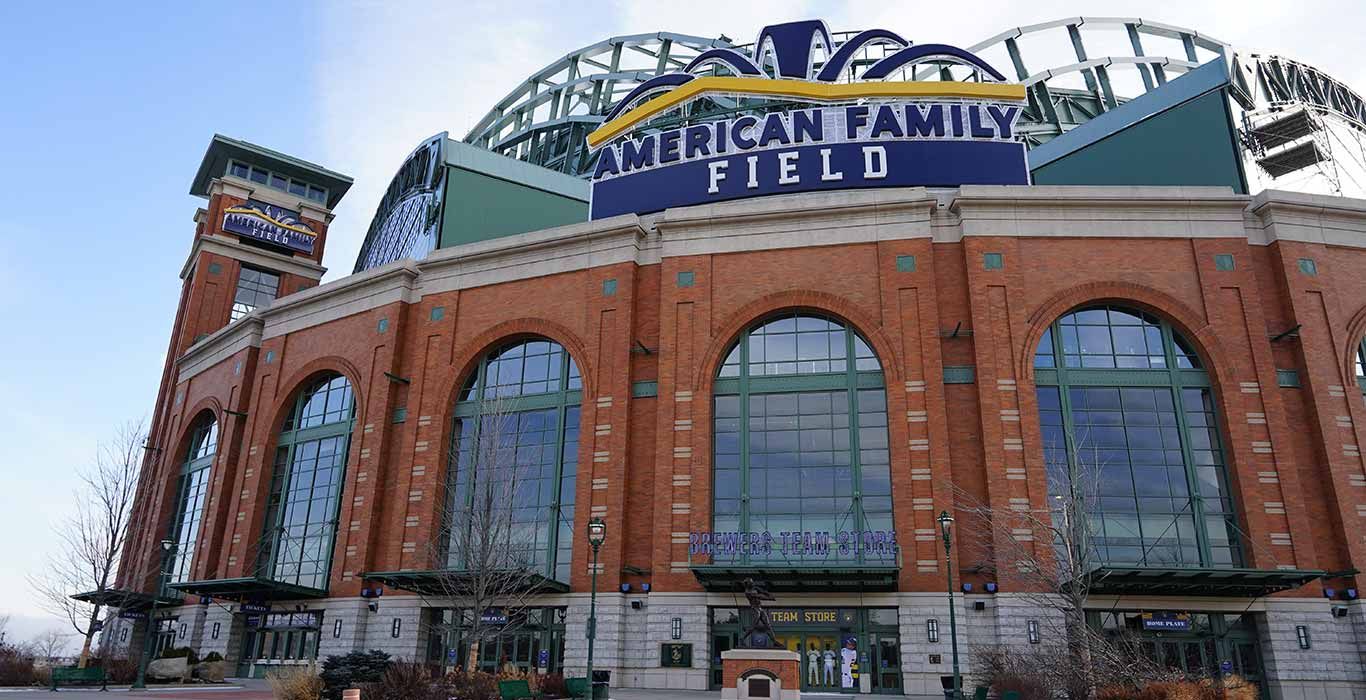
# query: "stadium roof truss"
1074,69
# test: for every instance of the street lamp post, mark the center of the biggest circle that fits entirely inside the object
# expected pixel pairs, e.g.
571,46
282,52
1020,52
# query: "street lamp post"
597,534
946,528
141,682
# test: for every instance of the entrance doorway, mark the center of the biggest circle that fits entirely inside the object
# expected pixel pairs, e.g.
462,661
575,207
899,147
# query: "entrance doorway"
842,650
1195,644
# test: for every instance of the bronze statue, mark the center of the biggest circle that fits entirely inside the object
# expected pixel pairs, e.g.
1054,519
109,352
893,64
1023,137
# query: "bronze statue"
759,635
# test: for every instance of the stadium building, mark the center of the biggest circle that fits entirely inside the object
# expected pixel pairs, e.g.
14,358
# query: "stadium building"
766,311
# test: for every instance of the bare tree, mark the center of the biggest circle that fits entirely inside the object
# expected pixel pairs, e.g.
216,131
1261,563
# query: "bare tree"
4,627
50,645
486,544
93,537
1049,556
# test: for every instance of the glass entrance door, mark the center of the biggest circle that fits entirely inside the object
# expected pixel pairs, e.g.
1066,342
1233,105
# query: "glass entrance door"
885,662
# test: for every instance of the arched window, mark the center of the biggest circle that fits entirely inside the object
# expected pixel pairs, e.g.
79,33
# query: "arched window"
1130,437
515,447
801,467
193,488
305,489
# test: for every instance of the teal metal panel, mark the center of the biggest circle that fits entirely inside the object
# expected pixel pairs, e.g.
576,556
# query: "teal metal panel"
479,207
1187,144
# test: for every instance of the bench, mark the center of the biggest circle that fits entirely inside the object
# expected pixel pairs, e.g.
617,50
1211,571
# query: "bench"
70,675
516,690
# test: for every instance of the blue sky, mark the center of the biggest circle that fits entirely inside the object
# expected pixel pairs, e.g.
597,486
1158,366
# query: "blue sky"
105,115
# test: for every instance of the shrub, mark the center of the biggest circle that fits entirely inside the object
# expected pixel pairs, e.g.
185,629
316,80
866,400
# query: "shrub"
295,683
342,672
552,684
212,657
16,667
475,685
187,653
405,680
120,670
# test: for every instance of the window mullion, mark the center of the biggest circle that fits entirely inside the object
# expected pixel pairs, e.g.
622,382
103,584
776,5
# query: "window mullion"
744,444
855,461
553,542
1187,455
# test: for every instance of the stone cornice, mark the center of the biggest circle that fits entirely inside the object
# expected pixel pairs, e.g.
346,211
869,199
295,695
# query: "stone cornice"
1099,212
222,344
344,297
795,221
1301,217
258,257
539,253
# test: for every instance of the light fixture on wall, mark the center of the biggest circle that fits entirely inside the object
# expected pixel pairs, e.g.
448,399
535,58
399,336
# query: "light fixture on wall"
676,628
932,629
214,633
336,629
1302,636
1032,631
398,627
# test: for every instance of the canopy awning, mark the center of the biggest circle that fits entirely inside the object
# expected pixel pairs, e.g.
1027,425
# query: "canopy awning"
123,599
444,582
726,578
248,588
1243,583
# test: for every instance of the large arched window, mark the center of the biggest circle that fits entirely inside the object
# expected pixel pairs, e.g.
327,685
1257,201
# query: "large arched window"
305,489
514,457
193,488
1130,438
801,468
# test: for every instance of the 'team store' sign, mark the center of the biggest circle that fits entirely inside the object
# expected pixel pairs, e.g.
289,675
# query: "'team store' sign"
870,133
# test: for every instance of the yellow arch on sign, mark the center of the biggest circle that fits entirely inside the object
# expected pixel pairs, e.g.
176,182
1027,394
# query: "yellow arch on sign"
766,87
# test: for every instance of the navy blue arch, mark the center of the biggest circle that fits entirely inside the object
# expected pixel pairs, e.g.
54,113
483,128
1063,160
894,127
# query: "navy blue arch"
668,80
830,72
921,52
737,61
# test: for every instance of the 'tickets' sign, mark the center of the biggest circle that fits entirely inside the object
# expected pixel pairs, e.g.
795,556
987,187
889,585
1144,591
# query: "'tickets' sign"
863,133
270,224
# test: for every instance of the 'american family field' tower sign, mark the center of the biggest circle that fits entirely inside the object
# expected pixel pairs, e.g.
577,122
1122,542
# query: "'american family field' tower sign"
784,122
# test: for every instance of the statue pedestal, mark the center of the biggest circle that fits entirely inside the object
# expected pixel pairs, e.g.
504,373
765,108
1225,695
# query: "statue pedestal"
761,674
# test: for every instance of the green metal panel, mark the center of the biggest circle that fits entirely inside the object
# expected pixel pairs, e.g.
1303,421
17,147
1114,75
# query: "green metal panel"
960,375
644,390
992,261
1189,144
1223,262
1288,378
905,263
480,207
609,287
1308,267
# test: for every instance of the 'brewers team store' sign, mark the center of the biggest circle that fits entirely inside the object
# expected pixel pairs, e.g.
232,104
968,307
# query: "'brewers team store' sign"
869,132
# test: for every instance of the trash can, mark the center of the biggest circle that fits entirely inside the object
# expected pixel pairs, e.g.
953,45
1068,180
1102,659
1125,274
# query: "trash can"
602,680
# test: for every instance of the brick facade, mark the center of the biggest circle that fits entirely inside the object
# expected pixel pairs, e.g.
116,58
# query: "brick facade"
650,350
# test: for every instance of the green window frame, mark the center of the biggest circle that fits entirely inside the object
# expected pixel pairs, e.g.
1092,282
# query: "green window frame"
530,392
1124,400
192,490
306,484
800,442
